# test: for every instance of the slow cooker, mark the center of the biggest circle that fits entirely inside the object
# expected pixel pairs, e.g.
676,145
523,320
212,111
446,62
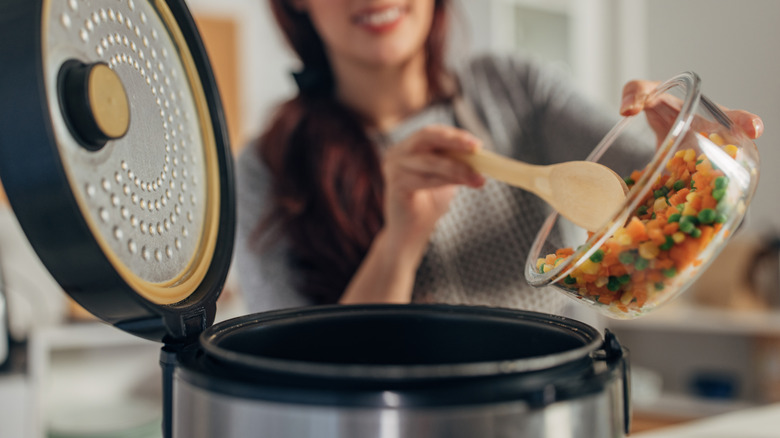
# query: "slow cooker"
115,159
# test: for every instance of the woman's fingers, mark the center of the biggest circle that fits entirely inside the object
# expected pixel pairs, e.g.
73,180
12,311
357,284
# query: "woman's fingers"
428,156
634,100
441,138
750,123
634,95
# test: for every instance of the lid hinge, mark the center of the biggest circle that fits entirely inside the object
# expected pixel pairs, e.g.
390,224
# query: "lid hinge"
189,325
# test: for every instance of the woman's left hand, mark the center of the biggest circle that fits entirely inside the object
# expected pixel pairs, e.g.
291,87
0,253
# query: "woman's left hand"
635,95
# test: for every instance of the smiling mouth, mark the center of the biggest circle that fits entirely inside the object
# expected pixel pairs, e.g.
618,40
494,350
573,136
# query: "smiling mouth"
380,18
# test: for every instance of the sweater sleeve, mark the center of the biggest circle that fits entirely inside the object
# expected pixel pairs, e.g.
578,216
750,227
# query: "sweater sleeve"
264,273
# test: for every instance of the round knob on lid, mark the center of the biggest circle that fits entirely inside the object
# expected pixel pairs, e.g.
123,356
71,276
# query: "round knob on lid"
95,103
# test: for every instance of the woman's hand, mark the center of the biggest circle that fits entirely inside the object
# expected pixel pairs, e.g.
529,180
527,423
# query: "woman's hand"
634,100
421,176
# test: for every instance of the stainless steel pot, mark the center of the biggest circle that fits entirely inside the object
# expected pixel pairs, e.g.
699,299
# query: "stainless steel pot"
400,371
114,157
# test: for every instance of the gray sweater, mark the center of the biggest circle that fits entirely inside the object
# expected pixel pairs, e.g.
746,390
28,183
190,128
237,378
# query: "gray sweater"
478,251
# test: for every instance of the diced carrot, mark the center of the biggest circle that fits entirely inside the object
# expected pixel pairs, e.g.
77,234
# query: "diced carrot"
590,278
618,270
672,228
664,263
696,203
684,253
564,252
637,230
679,197
641,298
708,201
654,276
611,258
657,235
707,232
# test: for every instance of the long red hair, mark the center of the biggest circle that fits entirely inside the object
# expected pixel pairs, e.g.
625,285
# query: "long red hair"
327,185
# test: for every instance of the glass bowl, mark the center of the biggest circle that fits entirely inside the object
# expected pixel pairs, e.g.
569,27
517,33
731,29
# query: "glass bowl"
691,173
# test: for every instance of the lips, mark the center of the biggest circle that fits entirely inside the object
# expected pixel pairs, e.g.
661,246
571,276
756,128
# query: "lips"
381,19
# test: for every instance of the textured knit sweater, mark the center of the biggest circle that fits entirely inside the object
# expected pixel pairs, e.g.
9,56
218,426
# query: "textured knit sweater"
478,251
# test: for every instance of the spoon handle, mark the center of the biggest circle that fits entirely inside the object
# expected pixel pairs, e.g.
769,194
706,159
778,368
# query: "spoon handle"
512,172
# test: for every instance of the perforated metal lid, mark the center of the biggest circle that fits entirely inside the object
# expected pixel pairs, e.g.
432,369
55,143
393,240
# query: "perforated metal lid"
114,156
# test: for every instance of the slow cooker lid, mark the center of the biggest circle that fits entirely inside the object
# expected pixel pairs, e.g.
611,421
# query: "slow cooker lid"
115,159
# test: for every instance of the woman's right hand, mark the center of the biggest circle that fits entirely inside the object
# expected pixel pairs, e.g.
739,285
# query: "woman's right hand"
421,177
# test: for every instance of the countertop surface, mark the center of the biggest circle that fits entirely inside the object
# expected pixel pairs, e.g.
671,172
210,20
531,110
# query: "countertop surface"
759,422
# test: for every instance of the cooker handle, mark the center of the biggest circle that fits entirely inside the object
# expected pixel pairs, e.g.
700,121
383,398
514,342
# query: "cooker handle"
614,352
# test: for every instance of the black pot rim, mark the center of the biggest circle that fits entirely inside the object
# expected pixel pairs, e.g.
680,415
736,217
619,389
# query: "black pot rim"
211,338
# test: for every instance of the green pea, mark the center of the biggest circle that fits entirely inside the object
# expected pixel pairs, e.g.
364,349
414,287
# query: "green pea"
597,256
688,223
680,207
707,216
613,283
675,217
570,280
659,286
721,182
721,218
660,192
669,273
624,279
718,194
641,264
668,244
695,233
678,185
642,210
627,258
629,181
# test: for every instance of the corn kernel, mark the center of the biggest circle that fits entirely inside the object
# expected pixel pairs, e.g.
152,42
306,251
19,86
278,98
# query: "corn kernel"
547,267
679,154
588,267
626,297
717,139
690,155
649,250
690,197
678,237
622,237
601,281
731,150
539,263
688,210
660,204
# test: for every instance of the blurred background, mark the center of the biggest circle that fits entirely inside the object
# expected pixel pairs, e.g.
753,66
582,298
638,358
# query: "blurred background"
715,350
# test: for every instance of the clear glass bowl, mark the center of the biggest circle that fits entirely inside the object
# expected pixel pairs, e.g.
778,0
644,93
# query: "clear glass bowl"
691,172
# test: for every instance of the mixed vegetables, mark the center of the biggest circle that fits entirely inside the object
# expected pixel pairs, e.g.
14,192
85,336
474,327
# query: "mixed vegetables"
685,209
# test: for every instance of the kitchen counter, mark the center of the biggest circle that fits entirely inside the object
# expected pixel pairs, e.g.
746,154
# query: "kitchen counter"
759,422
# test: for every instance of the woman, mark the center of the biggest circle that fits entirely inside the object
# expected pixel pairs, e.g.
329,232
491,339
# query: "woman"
352,195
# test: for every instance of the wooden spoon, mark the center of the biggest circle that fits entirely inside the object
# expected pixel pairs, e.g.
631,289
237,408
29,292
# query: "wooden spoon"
587,193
